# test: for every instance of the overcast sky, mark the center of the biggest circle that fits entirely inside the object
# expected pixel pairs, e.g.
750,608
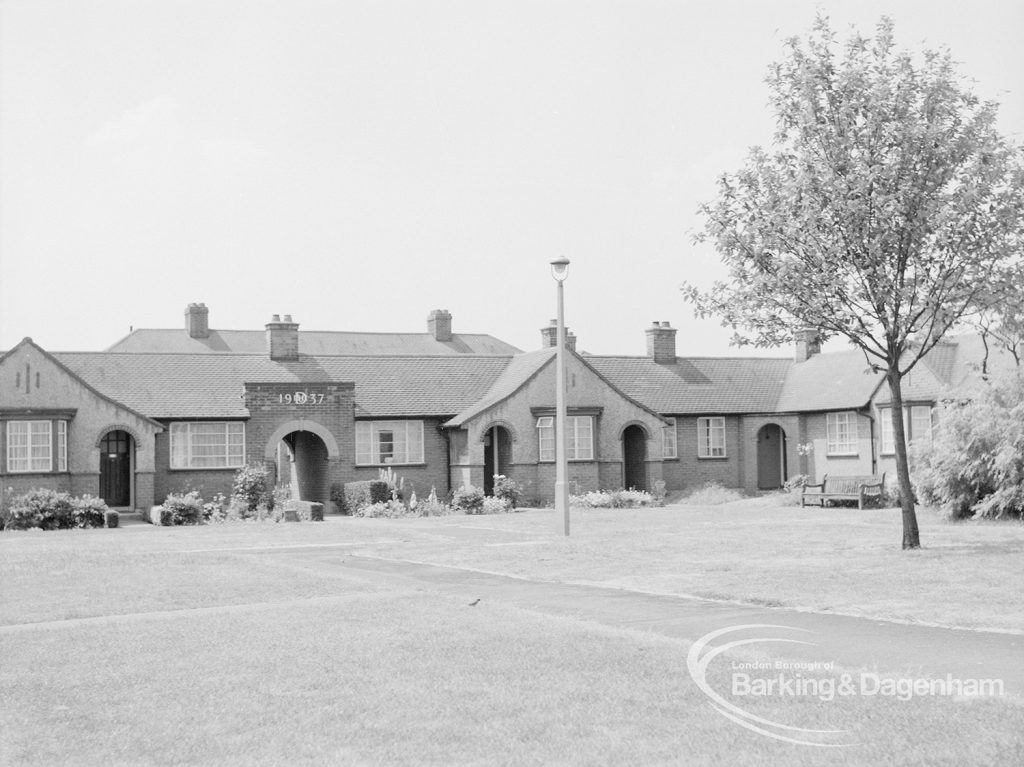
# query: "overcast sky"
357,164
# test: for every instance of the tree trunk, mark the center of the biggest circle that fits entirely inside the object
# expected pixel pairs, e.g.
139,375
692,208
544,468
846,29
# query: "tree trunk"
911,536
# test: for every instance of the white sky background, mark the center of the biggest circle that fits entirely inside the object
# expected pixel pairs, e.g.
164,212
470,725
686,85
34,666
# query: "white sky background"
357,164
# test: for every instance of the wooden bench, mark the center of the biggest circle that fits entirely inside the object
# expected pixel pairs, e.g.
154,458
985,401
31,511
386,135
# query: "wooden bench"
858,488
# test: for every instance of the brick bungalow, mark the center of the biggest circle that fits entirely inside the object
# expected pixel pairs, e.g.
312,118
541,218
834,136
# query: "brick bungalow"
165,410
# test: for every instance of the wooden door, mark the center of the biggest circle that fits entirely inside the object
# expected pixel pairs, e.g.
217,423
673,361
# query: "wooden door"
116,469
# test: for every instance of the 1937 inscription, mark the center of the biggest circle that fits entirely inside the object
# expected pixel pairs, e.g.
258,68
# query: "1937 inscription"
300,398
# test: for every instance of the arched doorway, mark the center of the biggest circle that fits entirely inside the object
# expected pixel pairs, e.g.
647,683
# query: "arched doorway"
771,457
634,458
497,455
302,464
117,456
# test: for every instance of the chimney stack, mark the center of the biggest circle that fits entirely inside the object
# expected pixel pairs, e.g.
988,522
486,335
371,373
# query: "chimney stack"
197,321
283,339
439,324
661,343
549,337
805,343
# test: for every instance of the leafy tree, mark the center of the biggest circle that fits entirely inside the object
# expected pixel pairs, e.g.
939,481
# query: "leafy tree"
1000,319
974,465
887,202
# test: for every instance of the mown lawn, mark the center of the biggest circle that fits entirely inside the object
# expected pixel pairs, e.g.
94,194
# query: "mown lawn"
182,646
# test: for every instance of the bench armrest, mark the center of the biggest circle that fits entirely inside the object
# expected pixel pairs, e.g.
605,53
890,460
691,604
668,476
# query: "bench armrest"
814,484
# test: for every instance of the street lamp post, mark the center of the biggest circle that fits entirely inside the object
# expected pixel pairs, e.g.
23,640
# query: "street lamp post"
560,270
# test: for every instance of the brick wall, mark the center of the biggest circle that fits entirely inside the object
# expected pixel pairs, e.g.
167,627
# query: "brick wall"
585,392
821,463
47,391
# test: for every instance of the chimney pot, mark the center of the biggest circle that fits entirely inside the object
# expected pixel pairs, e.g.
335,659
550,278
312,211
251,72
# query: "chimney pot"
805,344
439,325
661,343
283,339
197,321
549,337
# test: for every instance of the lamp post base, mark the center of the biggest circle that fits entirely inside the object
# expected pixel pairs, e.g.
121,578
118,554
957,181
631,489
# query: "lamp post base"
562,503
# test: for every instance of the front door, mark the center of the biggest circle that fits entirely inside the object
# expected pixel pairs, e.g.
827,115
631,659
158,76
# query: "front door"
116,469
634,458
771,457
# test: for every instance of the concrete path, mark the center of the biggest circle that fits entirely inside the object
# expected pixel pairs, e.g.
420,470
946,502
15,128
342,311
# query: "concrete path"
854,643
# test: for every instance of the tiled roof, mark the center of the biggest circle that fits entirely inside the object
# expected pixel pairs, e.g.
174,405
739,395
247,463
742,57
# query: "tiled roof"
211,385
697,385
519,370
313,342
830,381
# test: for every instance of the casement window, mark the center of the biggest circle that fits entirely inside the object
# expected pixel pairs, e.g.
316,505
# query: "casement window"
841,433
389,442
921,424
668,435
207,445
62,445
711,438
918,427
30,446
580,443
546,437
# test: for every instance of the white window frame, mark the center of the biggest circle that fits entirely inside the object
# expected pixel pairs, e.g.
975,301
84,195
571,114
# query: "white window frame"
886,435
913,418
546,438
670,442
579,446
581,437
62,445
920,424
183,454
406,443
711,437
841,433
34,454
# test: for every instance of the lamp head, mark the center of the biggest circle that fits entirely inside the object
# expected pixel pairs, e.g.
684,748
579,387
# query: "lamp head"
560,268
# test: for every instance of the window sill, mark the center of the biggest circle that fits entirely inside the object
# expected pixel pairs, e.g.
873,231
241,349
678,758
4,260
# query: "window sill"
712,458
386,465
842,455
206,468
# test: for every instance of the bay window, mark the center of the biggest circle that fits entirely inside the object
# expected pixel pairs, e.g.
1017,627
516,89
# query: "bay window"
579,445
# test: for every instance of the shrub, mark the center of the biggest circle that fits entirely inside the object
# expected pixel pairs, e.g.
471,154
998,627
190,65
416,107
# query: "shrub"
391,509
338,497
712,494
592,500
380,491
432,507
112,518
468,500
42,508
357,495
88,511
495,506
507,490
252,486
215,510
631,499
974,466
182,509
